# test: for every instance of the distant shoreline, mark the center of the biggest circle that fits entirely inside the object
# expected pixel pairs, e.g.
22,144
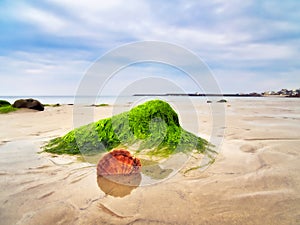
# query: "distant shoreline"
219,95
110,100
199,95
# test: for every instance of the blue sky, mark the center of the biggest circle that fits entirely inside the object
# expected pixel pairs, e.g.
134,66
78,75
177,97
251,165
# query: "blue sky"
47,46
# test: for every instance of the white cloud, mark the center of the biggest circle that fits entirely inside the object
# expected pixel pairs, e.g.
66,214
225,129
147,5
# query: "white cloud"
45,20
100,21
34,74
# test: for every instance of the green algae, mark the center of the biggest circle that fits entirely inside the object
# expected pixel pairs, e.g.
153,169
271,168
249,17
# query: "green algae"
4,103
6,107
102,104
211,161
52,105
153,126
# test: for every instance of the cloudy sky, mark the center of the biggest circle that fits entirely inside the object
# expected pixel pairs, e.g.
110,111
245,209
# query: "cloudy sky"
47,46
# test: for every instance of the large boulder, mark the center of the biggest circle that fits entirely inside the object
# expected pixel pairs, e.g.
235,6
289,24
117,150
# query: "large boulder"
29,104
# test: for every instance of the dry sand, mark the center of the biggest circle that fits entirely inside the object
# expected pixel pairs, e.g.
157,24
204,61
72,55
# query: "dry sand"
255,179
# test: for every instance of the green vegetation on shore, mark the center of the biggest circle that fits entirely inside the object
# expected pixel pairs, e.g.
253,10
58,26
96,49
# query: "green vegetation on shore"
153,127
52,105
4,103
101,105
6,107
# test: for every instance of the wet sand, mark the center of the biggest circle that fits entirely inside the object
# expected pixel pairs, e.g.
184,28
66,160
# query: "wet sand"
254,180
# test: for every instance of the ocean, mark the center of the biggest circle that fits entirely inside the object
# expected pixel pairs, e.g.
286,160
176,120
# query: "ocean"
111,100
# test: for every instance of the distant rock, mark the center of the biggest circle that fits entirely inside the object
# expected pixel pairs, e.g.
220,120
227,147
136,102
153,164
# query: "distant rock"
222,101
29,104
254,94
209,101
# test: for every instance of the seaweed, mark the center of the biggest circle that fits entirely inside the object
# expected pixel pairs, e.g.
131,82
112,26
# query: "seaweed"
4,103
6,107
153,126
101,105
52,105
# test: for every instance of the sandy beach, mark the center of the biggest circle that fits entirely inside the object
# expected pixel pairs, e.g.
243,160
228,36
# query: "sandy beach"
254,180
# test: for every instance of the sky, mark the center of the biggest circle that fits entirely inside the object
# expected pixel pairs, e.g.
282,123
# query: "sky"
48,46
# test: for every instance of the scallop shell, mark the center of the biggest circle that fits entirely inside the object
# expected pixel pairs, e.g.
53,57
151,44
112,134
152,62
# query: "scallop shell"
118,162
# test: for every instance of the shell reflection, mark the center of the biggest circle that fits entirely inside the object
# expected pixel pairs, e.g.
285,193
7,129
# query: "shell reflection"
119,185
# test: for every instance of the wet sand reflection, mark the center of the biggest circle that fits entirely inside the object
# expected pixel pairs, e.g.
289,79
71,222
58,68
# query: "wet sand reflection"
119,185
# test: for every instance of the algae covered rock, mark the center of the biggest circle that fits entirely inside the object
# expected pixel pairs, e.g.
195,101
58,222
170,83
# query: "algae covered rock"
6,107
4,103
152,128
